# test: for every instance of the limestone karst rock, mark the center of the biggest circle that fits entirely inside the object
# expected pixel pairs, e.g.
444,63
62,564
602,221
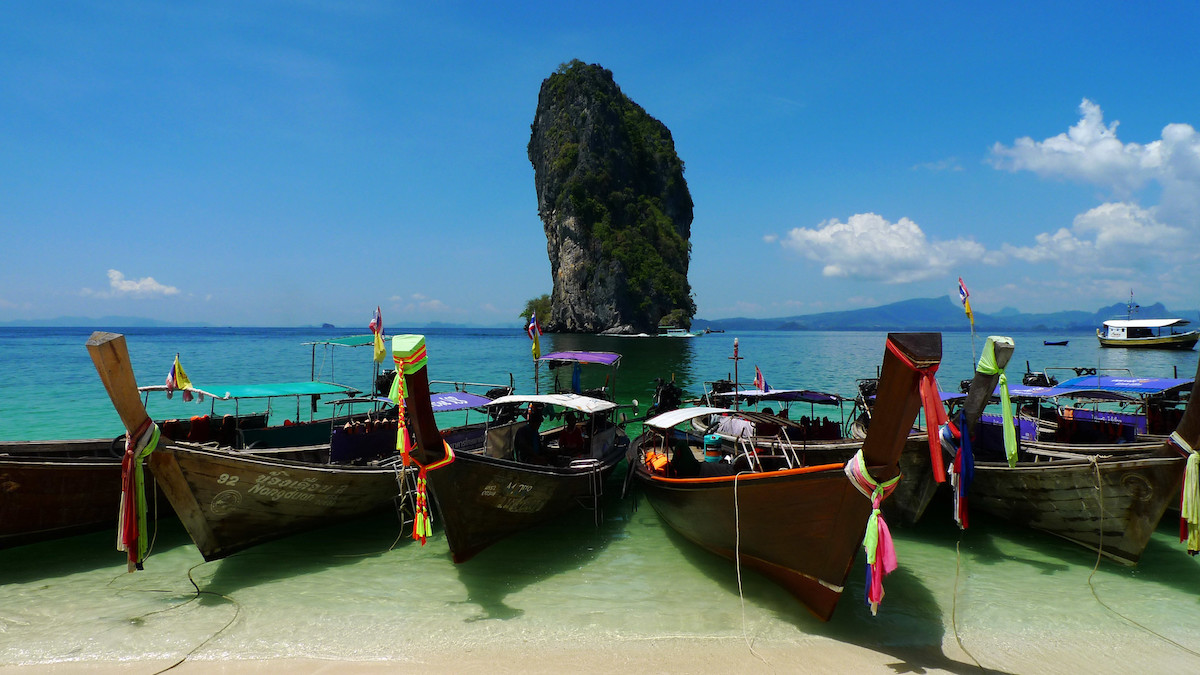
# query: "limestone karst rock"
615,207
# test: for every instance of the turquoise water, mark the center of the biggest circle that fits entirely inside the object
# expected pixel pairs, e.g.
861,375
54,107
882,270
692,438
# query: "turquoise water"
1019,601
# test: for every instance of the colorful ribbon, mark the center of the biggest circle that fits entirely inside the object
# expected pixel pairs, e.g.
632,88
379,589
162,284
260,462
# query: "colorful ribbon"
962,472
132,536
987,366
935,412
881,553
1189,503
408,351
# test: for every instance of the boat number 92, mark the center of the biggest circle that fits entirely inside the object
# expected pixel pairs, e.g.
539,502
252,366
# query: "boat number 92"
226,479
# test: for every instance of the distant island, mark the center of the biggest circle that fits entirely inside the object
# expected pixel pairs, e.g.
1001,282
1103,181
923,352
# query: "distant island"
934,314
942,314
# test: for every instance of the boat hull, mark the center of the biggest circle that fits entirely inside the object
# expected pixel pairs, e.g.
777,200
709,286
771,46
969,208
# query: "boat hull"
57,488
1182,341
800,528
229,501
912,495
481,499
1111,506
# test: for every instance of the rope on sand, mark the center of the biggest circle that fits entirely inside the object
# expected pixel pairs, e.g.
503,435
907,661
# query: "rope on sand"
737,560
1100,553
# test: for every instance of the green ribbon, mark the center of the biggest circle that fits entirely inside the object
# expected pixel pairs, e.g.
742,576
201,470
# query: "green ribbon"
987,366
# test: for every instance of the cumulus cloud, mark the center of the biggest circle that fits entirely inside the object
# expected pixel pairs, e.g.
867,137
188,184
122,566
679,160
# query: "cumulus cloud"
1090,151
1119,236
119,286
1111,238
867,246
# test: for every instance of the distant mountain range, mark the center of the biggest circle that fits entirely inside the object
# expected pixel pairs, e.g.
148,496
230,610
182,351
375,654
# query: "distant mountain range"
943,314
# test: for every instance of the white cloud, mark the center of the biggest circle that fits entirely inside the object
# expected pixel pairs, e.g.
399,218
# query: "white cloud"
770,238
867,246
419,301
1091,152
1113,238
119,286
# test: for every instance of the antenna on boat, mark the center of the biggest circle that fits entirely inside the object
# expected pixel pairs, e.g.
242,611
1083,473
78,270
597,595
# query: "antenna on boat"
735,358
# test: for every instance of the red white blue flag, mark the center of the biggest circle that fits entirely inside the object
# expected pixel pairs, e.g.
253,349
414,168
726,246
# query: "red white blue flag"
760,382
965,297
535,329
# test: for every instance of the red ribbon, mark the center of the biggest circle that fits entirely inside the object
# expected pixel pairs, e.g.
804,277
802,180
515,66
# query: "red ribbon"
935,412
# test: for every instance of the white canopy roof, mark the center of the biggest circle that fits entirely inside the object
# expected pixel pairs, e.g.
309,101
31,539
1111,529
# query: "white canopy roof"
1146,323
673,417
584,404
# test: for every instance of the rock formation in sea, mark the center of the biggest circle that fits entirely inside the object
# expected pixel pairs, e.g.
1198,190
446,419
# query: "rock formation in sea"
614,204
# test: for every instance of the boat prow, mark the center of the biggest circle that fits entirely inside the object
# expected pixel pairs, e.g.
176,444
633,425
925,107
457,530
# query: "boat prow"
800,525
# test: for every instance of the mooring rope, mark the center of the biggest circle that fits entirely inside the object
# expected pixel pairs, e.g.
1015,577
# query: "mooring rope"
954,603
737,561
1100,554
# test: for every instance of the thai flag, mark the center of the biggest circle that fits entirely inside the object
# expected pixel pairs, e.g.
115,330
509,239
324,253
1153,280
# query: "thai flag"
376,324
760,382
964,296
534,328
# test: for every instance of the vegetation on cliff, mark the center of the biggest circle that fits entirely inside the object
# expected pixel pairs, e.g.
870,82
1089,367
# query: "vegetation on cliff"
615,205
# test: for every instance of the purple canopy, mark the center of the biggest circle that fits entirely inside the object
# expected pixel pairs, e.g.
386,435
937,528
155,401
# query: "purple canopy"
785,395
603,358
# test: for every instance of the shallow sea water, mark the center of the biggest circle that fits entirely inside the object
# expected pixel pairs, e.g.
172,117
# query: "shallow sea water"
1017,601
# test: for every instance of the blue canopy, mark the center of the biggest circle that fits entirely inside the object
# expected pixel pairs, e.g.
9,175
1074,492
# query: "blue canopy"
457,400
1139,386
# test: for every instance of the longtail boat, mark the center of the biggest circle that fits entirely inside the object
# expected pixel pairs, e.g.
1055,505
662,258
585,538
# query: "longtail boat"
230,499
801,526
498,485
811,436
1109,502
59,488
52,489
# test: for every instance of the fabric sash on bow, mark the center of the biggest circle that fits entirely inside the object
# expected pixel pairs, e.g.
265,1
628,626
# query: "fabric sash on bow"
987,366
132,536
962,472
408,351
881,553
935,412
1189,504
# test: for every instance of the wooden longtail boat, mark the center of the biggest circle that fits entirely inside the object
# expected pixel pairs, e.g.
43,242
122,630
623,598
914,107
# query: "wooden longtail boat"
52,489
493,488
491,492
800,526
229,499
816,440
1109,502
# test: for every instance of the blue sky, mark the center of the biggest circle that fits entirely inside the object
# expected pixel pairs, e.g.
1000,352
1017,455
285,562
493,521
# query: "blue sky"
290,163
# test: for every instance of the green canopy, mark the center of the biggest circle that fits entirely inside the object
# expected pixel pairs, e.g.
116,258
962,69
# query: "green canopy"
282,389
